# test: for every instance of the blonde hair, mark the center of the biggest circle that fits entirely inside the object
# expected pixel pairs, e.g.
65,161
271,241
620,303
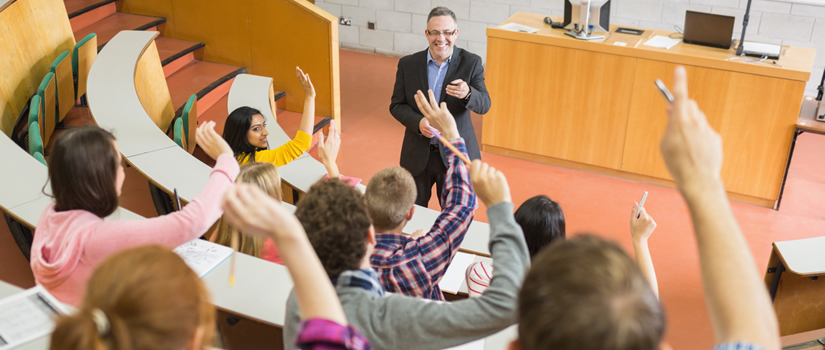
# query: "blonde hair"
150,299
265,176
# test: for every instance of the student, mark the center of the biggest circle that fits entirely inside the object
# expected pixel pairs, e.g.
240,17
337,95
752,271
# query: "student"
542,221
586,293
245,131
641,227
86,175
265,176
414,265
148,298
335,218
324,325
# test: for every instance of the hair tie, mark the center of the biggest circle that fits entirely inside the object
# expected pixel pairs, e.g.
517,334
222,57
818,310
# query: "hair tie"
101,321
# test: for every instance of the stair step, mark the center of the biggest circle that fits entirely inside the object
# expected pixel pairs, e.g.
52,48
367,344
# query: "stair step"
108,27
171,49
217,114
199,77
78,7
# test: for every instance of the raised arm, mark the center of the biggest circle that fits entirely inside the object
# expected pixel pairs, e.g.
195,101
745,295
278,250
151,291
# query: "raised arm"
176,228
641,227
737,298
308,118
256,213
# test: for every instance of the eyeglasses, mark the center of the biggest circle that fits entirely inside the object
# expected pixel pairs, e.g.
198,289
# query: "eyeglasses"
437,33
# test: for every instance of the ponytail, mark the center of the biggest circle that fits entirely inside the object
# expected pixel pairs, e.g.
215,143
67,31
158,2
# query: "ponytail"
77,331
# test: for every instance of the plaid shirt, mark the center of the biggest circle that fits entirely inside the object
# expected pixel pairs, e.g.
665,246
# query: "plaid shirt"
413,267
321,334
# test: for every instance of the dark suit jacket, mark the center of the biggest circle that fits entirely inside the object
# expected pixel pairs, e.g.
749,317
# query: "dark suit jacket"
411,77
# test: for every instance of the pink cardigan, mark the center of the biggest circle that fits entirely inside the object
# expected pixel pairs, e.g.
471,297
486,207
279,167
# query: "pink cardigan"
68,245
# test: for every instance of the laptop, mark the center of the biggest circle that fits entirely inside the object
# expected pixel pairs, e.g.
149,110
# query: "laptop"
708,29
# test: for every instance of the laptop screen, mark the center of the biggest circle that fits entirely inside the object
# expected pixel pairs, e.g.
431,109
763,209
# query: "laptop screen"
708,29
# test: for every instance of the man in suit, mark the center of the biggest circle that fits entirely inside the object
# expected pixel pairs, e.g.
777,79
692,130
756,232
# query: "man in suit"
457,79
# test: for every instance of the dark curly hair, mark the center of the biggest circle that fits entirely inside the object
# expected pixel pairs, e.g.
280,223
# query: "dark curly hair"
335,218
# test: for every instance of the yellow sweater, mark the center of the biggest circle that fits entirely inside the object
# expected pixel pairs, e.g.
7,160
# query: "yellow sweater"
284,154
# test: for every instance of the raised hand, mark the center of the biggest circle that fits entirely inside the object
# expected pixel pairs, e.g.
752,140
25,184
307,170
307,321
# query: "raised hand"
328,150
438,116
691,148
212,144
641,224
309,90
490,184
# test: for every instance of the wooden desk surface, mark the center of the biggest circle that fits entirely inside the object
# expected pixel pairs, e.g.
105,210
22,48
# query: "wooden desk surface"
807,117
803,257
795,63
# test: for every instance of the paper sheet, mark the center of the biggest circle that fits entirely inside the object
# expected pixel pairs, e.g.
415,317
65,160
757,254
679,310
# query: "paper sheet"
515,27
27,316
455,274
476,345
203,256
662,41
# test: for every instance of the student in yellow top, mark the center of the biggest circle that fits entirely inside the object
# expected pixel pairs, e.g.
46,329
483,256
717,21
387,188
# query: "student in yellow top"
245,132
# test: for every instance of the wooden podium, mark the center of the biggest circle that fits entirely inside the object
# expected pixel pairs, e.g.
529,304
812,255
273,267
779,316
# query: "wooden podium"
593,106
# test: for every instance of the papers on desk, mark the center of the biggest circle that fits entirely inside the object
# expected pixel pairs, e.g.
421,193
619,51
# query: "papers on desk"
27,316
456,272
203,256
515,27
662,41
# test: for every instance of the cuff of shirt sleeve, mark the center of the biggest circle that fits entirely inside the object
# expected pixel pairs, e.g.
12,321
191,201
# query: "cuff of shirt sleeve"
459,144
227,164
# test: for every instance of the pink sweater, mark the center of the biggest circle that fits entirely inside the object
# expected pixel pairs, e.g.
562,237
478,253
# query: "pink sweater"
68,245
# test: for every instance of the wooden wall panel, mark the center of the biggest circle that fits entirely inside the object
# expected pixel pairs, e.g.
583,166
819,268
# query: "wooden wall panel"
150,84
755,115
32,34
157,8
578,107
303,35
53,24
223,26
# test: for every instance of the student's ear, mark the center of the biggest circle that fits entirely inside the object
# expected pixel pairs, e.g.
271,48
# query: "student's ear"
371,236
514,345
410,214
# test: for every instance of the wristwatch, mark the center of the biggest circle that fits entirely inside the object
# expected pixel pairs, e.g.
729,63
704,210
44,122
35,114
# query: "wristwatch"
467,98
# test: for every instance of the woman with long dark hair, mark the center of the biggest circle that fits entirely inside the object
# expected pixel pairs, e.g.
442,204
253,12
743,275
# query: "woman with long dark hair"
86,174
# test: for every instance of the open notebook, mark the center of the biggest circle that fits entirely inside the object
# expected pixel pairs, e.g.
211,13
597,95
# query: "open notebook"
28,315
203,256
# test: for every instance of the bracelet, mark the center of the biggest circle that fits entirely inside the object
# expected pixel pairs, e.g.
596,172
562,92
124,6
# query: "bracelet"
467,98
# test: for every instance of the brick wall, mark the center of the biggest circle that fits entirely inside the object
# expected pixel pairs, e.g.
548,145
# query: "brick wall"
400,24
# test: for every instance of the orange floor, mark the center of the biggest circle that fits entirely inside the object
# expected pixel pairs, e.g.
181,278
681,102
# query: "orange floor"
592,203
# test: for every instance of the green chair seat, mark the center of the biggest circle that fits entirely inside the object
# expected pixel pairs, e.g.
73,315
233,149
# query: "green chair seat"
35,143
39,157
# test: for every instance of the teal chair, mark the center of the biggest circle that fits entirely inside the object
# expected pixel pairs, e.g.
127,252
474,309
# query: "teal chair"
34,110
39,157
48,103
190,122
35,143
83,55
179,135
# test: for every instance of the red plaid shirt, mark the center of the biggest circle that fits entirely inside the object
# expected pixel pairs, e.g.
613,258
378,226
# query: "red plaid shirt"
414,267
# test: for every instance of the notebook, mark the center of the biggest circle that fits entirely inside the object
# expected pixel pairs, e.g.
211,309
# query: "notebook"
203,256
28,315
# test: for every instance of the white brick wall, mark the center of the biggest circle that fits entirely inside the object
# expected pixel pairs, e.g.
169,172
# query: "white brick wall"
400,24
